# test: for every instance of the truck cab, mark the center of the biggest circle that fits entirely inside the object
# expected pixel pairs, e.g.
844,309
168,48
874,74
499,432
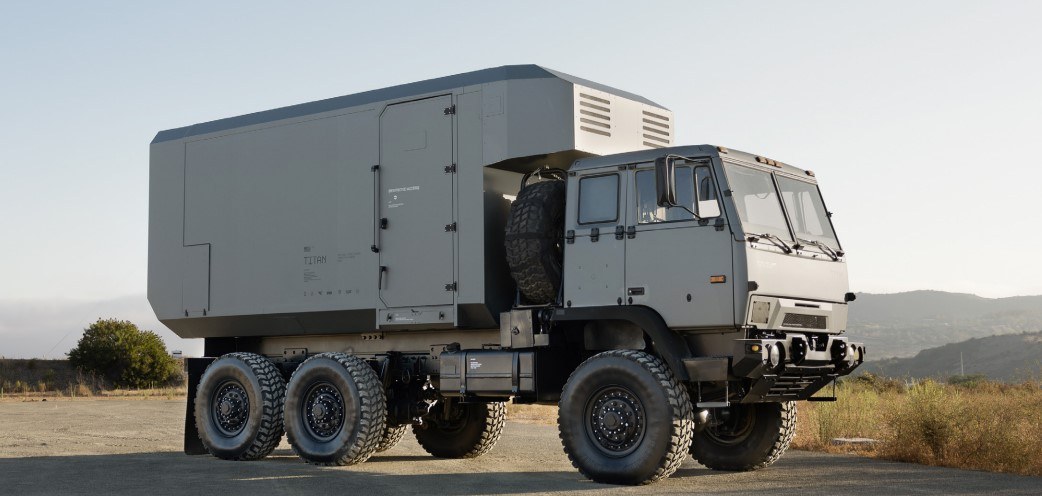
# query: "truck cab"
733,251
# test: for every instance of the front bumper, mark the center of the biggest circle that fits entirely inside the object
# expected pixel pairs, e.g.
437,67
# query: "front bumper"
795,366
783,368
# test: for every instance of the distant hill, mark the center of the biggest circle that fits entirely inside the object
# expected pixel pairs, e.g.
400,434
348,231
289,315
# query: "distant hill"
1009,357
902,324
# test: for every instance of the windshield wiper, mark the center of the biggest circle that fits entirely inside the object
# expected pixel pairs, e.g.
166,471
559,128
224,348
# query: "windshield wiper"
826,249
774,239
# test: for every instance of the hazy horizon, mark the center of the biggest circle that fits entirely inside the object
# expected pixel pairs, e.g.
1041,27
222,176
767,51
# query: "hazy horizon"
916,118
25,322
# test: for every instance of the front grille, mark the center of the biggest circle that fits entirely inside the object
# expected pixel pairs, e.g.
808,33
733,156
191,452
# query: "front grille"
804,321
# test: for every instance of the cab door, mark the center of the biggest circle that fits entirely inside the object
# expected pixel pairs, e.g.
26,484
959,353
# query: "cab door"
677,262
595,255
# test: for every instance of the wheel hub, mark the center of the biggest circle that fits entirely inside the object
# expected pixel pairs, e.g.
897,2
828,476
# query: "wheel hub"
231,408
615,421
323,411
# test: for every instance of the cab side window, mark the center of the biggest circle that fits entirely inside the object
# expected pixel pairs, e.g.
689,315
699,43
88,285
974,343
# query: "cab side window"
708,205
695,190
599,199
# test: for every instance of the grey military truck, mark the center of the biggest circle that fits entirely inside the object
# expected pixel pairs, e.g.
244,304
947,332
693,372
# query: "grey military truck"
418,255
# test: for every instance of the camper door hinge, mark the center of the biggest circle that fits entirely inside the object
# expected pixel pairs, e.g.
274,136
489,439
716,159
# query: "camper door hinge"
450,227
450,287
450,110
450,169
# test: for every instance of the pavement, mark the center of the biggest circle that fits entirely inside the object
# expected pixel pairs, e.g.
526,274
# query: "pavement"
133,447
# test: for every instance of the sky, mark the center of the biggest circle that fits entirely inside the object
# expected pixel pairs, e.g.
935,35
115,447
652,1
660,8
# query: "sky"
919,118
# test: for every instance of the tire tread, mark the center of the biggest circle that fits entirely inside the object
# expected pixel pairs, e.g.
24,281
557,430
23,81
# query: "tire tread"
373,419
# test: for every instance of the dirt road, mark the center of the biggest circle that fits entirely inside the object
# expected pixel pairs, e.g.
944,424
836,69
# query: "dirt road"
133,447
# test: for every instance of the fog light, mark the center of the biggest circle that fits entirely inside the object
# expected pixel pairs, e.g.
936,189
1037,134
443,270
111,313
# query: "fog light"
754,348
774,356
799,350
840,352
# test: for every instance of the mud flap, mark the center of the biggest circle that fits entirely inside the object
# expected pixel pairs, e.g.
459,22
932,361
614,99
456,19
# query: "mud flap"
195,368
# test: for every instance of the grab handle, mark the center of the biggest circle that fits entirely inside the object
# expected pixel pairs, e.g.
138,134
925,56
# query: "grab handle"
377,221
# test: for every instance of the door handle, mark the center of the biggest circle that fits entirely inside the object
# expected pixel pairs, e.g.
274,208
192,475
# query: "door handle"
380,282
381,223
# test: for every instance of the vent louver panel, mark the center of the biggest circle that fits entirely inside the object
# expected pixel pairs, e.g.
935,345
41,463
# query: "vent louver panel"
657,131
594,115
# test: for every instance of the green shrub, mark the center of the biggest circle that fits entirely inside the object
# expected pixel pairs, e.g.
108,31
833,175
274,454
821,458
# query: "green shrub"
969,381
124,355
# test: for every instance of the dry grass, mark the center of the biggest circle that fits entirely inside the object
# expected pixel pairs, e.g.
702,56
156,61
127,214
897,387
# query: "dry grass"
981,426
977,425
532,414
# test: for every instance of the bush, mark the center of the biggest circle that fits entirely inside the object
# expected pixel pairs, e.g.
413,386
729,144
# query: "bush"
124,355
969,381
879,384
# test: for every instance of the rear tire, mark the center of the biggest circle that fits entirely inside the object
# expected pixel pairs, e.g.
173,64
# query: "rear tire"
336,411
534,240
238,407
471,430
753,436
624,418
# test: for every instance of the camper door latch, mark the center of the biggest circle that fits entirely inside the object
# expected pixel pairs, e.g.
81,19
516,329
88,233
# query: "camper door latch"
450,110
450,169
450,227
450,287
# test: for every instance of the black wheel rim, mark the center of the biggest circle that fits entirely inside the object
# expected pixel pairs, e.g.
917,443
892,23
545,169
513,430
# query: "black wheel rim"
323,411
615,421
230,408
732,426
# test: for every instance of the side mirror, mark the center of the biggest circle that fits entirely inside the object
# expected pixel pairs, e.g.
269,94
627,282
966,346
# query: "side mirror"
665,182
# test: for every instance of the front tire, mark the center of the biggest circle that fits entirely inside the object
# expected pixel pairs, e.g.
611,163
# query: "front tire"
238,407
746,436
469,430
624,418
393,435
335,410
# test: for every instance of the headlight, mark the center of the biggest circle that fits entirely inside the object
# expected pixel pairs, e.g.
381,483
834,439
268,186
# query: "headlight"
774,355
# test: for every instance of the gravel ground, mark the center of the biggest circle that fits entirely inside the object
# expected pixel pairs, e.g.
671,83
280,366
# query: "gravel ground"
133,446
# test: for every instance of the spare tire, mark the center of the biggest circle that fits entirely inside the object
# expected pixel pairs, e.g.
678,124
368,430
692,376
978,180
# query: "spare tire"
534,237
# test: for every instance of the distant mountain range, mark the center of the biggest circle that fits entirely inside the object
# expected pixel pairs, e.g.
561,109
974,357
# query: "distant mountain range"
903,324
1008,357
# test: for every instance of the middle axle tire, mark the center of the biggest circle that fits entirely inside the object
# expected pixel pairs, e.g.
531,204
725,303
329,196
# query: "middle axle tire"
625,419
336,411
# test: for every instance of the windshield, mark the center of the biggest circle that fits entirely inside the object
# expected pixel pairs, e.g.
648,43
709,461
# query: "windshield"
757,201
760,208
807,212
